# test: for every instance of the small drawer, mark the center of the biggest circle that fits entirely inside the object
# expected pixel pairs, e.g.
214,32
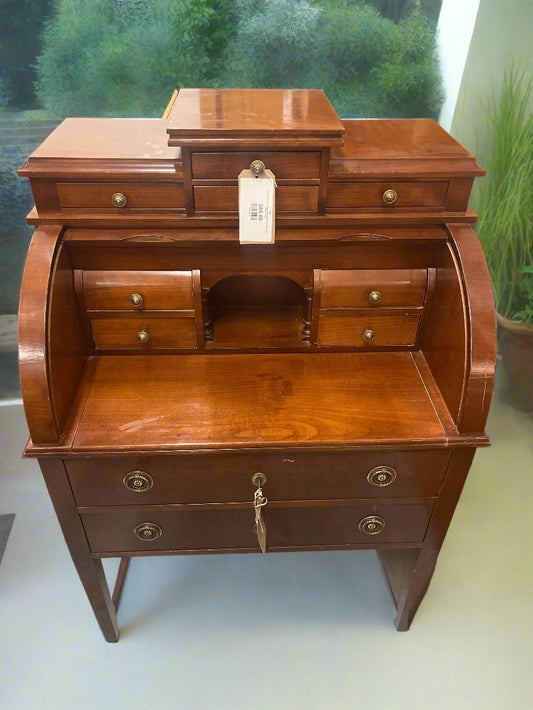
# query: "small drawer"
138,290
387,195
377,330
143,333
121,196
218,528
372,288
225,198
226,478
296,165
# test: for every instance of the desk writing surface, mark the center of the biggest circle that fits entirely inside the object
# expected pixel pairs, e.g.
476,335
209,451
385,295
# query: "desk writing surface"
198,401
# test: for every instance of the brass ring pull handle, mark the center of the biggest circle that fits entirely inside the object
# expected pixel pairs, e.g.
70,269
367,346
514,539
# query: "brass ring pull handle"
143,336
390,196
371,525
257,167
138,481
368,335
136,299
119,199
374,296
147,532
381,476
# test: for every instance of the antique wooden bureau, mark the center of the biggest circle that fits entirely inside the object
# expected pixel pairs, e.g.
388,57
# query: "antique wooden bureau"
187,393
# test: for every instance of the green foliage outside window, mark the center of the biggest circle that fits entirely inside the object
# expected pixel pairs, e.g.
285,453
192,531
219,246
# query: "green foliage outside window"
124,57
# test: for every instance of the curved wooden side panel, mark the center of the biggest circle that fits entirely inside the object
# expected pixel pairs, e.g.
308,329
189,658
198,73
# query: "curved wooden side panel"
444,336
32,335
482,329
52,348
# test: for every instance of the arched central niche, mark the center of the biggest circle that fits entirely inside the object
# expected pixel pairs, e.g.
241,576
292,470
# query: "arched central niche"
257,311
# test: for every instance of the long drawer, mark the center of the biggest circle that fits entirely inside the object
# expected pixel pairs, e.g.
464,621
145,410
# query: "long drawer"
292,165
225,198
226,529
222,478
121,196
388,195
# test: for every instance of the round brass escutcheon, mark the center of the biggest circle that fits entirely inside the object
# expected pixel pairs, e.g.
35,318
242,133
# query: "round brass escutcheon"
138,481
119,200
381,476
143,336
371,525
257,167
259,479
136,299
389,197
147,532
368,335
374,296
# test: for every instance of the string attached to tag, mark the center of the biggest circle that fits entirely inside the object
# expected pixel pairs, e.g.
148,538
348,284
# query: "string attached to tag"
259,503
257,205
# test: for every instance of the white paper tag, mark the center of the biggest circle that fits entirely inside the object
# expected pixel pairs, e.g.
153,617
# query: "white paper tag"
257,207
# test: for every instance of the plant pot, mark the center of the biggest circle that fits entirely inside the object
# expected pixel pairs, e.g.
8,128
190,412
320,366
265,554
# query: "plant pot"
516,346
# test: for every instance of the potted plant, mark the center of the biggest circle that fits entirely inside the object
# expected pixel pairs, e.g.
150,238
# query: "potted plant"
504,202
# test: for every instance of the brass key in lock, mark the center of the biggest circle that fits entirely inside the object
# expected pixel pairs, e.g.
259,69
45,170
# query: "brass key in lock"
259,502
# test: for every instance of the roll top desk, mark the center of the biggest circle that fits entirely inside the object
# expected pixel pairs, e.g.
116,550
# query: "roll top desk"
170,372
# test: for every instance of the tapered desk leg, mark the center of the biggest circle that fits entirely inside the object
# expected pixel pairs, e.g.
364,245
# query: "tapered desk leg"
90,570
409,572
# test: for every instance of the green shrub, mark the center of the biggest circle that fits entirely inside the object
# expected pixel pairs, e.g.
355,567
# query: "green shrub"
275,45
109,57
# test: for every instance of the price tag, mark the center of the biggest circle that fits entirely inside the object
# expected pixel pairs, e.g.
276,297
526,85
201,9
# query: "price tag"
257,207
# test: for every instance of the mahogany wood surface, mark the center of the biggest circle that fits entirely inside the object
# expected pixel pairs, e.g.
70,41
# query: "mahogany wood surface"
252,400
352,288
226,477
289,198
163,332
192,529
299,165
159,290
273,116
139,196
255,359
349,328
370,194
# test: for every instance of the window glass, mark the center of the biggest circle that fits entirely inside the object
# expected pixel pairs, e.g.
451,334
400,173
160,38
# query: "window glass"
373,58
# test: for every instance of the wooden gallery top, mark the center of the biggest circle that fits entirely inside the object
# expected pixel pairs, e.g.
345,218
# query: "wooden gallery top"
154,342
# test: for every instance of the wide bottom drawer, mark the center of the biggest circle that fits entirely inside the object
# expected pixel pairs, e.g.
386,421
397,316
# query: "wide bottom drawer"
220,528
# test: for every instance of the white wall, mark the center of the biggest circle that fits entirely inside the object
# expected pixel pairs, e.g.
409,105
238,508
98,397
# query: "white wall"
503,32
454,33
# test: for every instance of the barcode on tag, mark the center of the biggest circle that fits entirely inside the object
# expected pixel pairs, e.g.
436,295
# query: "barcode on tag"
257,211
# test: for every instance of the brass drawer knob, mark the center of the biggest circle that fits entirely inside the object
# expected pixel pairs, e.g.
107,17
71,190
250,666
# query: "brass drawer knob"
136,299
389,197
138,481
259,479
147,532
143,336
374,296
257,167
368,335
371,525
119,200
381,476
